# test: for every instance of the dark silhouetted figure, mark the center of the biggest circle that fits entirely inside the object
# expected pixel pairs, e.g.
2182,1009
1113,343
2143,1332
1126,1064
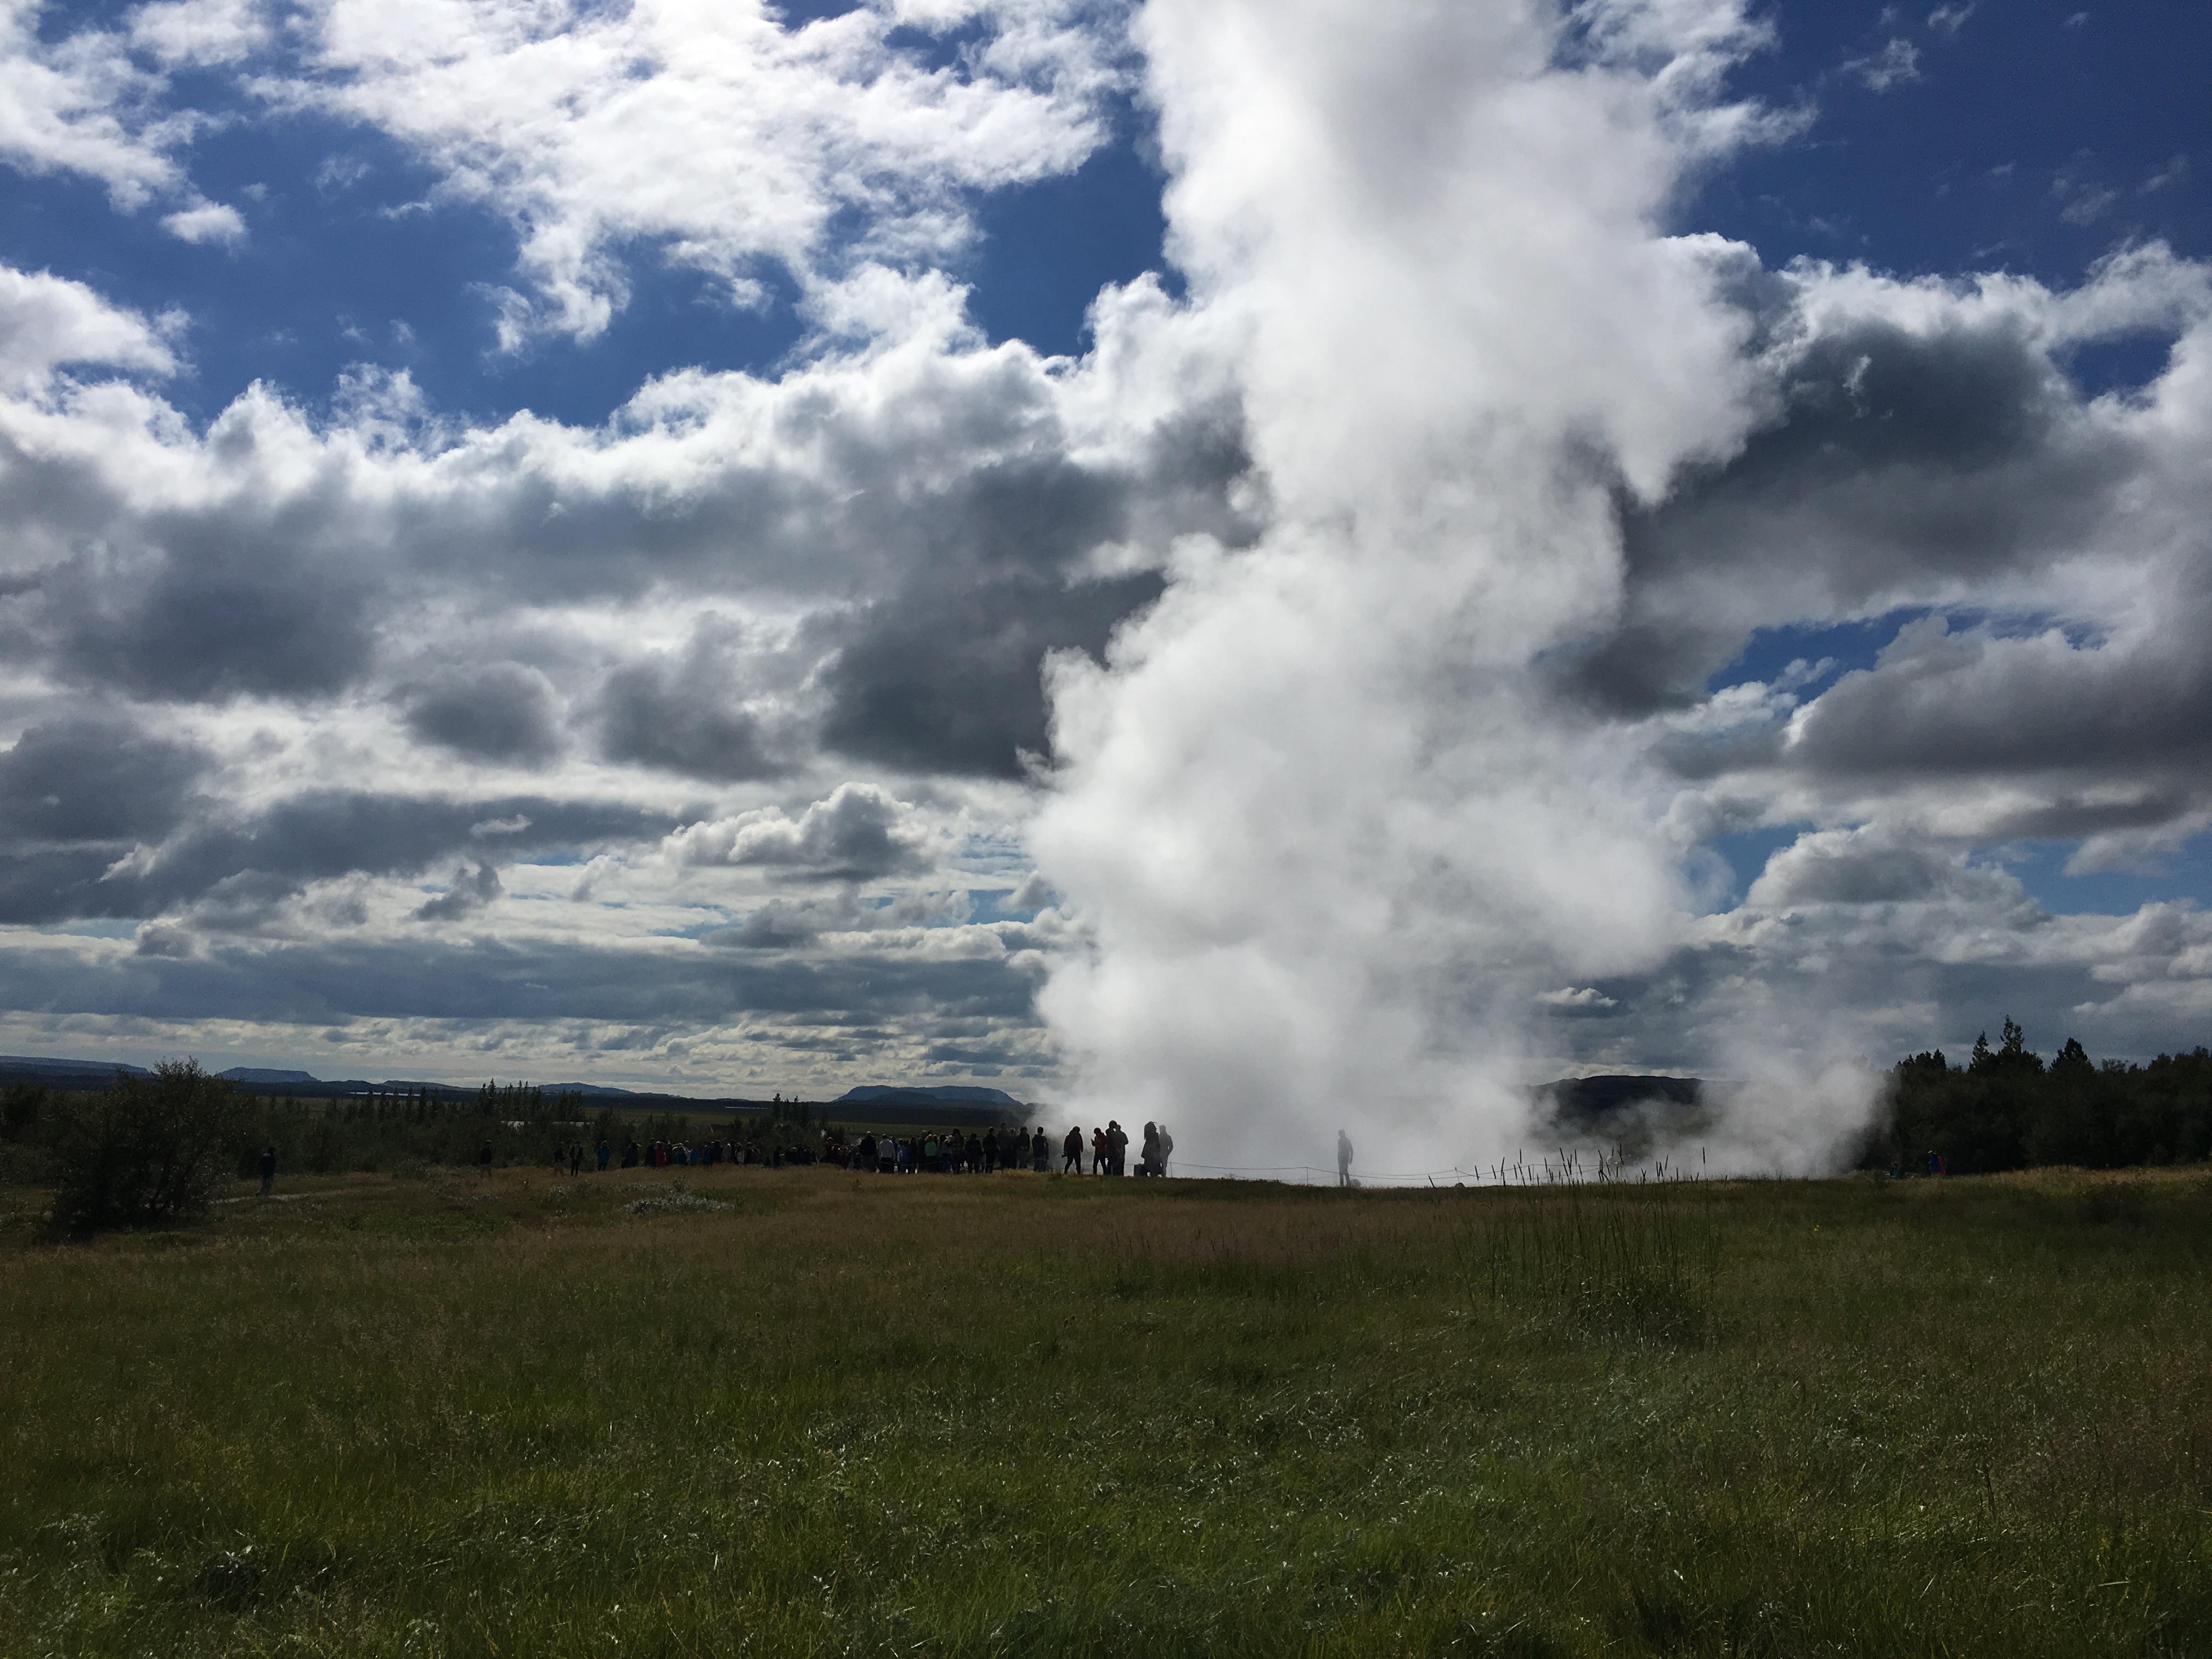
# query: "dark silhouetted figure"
1343,1158
268,1170
1071,1152
484,1162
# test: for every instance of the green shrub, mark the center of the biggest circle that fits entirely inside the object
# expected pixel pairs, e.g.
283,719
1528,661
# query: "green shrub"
150,1151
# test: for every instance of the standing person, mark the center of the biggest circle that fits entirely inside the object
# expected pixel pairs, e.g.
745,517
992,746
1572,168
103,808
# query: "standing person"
1167,1148
1343,1158
974,1150
1071,1152
1117,1146
1098,1152
1148,1155
864,1154
268,1170
606,1152
484,1162
576,1160
630,1153
1041,1151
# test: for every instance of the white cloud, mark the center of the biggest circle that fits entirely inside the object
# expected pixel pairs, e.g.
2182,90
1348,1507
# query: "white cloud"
199,33
1572,996
1896,64
210,221
856,832
46,321
80,105
732,143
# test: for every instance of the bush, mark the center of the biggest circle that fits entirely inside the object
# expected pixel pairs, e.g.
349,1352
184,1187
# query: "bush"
150,1151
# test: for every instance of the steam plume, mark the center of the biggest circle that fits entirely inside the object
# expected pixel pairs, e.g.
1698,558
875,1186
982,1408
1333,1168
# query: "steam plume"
1332,838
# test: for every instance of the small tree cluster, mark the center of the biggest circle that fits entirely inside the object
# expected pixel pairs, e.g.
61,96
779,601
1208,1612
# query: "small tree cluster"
150,1151
2006,1109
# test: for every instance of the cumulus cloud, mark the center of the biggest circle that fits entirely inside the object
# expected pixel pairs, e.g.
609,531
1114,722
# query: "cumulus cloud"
48,321
207,222
687,713
96,779
732,141
471,891
855,833
502,711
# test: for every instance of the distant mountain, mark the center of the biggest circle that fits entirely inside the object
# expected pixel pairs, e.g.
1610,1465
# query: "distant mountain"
265,1074
89,1070
877,1095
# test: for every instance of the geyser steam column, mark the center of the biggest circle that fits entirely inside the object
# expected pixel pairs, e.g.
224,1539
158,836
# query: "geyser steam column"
1328,834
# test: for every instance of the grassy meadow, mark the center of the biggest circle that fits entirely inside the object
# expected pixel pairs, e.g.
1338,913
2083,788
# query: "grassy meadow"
803,1412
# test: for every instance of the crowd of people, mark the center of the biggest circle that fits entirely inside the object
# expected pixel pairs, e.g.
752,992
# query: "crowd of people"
951,1153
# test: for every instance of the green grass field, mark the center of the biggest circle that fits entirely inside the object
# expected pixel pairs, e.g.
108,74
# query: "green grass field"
1024,1415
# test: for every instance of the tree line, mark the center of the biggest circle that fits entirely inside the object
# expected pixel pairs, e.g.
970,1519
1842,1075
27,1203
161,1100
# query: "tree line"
2006,1109
156,1148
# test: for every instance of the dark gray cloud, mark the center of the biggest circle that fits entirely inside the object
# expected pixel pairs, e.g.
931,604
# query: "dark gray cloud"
212,612
681,714
1944,703
775,926
1900,465
949,679
503,711
470,892
493,979
248,865
94,778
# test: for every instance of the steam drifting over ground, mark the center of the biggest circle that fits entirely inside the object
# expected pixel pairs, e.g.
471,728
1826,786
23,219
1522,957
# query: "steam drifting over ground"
1358,682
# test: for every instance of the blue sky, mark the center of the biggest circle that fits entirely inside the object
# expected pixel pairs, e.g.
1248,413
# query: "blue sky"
758,675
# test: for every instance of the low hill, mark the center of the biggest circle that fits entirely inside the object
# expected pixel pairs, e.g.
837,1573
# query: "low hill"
1633,1113
959,1094
62,1074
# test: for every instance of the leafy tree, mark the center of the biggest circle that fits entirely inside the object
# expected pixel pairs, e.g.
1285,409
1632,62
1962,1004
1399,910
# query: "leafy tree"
150,1151
21,1106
